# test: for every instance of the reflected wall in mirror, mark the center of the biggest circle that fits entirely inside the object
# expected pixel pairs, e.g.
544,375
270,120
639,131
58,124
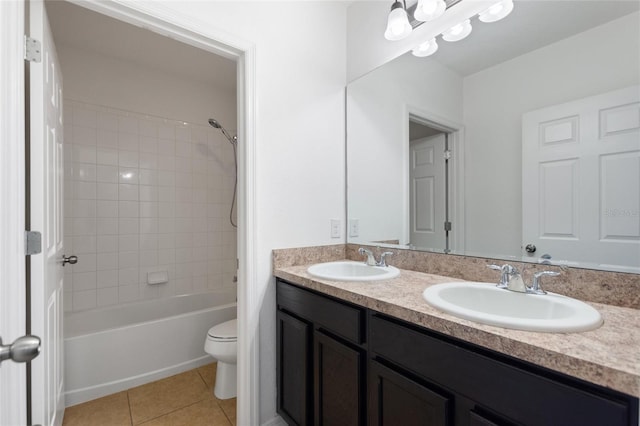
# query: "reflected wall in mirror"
557,76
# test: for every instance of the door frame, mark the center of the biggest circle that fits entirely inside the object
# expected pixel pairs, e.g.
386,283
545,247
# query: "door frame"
456,170
13,390
157,17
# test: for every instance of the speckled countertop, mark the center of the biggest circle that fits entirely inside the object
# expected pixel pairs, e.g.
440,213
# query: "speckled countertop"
608,356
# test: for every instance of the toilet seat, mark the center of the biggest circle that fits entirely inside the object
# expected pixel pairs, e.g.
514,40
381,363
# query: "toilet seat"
224,332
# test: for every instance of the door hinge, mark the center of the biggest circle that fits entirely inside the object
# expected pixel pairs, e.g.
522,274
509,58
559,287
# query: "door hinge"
447,226
32,50
32,242
447,154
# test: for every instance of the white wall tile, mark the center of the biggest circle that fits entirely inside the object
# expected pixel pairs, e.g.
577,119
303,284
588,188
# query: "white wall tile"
106,243
107,226
144,194
107,156
84,190
107,296
107,174
106,191
84,136
128,124
83,300
128,192
107,121
127,277
128,293
128,158
107,261
128,259
128,225
84,281
107,278
86,263
107,208
107,139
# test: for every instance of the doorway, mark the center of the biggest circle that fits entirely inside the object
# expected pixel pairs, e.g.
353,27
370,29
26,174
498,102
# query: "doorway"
243,52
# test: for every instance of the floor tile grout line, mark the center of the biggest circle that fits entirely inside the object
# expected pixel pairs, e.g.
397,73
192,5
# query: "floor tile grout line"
130,413
170,412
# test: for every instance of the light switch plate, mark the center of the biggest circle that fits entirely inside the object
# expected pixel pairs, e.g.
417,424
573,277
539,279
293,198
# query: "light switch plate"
354,227
335,228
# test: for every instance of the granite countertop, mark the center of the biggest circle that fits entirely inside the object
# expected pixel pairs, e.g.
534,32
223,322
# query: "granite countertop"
608,356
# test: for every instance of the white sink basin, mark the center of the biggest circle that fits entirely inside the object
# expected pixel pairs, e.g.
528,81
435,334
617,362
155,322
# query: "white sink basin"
352,271
487,304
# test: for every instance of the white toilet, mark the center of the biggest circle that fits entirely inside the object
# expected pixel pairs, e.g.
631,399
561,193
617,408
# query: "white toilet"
221,343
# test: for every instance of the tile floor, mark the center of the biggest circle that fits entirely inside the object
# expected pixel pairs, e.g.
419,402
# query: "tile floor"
185,399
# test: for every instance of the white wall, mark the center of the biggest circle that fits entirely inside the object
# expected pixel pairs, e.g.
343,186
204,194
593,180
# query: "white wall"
595,61
300,63
378,148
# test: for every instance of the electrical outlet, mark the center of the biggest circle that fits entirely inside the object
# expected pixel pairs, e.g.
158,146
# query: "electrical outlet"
335,228
354,227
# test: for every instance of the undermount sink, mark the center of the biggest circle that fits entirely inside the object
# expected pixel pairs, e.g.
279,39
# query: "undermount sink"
487,304
352,271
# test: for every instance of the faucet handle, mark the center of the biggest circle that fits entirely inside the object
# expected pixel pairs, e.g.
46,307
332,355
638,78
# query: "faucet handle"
371,260
506,272
383,258
535,285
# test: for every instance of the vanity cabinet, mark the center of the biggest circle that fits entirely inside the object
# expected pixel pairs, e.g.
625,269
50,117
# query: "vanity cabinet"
482,387
321,359
341,364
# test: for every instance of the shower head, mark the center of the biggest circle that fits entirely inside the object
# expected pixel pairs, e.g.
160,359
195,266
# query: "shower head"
214,123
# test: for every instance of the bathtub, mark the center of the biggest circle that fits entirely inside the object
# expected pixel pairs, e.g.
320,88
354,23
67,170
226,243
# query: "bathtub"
112,349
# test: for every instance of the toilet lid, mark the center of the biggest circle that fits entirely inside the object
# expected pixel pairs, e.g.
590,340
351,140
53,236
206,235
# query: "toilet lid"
227,330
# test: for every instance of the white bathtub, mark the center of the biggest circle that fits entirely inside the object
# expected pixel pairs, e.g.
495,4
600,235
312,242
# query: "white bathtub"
112,349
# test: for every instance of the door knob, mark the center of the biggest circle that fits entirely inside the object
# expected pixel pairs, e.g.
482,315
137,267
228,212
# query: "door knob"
69,259
530,248
24,349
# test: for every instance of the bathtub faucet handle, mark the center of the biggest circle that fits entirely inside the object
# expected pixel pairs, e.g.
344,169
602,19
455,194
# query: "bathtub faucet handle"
69,259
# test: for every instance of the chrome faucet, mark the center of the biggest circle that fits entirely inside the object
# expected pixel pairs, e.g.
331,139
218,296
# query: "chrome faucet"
510,278
535,284
371,259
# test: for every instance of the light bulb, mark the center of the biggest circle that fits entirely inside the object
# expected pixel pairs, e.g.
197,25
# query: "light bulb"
398,26
428,10
427,48
457,32
497,11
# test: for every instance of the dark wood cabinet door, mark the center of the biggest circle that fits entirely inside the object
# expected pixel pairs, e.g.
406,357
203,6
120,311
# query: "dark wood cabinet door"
340,383
294,370
396,400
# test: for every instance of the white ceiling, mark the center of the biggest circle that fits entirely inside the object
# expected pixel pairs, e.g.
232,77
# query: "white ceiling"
81,28
532,25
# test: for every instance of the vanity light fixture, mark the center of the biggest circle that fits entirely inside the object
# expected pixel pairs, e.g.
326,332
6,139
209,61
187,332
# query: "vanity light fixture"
428,10
458,32
497,11
398,26
427,48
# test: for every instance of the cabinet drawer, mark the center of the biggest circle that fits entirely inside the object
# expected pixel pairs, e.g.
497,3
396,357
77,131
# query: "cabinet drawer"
347,321
530,396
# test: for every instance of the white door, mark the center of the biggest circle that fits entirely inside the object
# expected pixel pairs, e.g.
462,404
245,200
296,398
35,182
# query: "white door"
581,180
46,215
427,192
13,393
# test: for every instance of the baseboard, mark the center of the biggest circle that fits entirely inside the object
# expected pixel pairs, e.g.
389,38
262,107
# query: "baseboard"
79,396
276,421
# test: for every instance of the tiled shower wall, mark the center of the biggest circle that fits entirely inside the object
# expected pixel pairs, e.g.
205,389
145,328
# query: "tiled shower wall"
144,194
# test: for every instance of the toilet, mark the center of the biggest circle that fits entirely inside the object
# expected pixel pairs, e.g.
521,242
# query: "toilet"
221,343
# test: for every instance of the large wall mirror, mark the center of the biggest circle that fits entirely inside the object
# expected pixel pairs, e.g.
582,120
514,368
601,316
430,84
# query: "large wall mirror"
520,142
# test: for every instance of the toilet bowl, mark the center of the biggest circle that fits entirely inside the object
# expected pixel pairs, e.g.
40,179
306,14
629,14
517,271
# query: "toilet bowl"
221,343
